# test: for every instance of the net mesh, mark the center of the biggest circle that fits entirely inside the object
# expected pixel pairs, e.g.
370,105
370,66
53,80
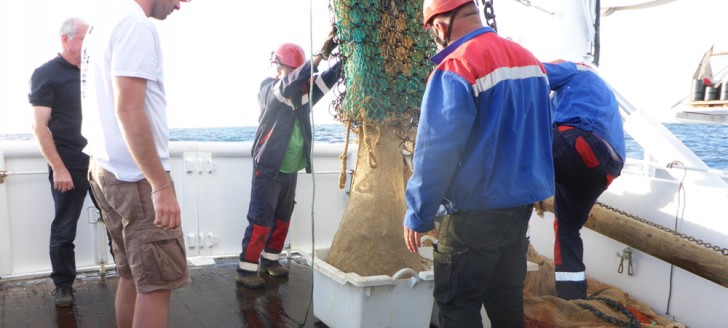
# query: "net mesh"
605,306
385,53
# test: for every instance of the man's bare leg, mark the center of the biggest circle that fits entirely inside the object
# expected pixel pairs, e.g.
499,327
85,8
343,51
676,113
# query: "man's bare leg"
152,309
125,302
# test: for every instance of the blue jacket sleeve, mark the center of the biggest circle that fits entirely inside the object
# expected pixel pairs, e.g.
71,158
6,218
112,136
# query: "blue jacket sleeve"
559,74
294,83
446,121
297,82
323,82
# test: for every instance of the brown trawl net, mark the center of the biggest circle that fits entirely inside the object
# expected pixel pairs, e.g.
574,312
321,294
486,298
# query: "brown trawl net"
606,306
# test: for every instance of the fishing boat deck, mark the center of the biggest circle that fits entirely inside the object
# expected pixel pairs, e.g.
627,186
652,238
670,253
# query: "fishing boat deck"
211,300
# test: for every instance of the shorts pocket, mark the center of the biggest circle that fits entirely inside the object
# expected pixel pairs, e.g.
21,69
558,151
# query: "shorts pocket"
448,268
165,258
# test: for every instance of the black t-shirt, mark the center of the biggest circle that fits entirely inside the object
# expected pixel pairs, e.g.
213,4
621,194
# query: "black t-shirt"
57,84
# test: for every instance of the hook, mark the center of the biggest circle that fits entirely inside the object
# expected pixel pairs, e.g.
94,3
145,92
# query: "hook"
626,254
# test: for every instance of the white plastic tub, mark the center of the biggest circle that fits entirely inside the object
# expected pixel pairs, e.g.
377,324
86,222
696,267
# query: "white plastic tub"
342,300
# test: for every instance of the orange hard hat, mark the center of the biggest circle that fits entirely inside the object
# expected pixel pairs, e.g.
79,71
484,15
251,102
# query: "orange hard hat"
432,8
288,54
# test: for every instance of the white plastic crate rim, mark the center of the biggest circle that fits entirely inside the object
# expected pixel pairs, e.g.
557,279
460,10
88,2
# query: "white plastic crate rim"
344,299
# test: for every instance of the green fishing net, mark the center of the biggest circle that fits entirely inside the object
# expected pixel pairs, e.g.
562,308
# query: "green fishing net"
385,52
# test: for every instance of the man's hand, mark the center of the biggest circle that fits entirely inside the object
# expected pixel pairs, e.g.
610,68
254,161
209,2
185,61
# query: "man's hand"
167,214
412,239
329,44
62,180
130,111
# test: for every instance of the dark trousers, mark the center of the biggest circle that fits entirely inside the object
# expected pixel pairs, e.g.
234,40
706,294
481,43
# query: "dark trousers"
480,260
584,168
101,217
269,214
68,207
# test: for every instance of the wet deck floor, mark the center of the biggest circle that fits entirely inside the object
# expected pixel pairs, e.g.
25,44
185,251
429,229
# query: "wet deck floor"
211,300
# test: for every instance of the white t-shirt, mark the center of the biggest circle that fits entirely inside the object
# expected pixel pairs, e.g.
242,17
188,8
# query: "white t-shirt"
124,44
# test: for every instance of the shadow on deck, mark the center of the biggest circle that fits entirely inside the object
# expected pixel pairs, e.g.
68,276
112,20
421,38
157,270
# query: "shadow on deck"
211,300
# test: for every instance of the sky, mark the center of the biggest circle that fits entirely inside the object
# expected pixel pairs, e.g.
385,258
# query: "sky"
216,51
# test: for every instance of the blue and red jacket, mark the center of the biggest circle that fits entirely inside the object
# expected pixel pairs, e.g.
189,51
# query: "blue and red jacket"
582,99
484,136
281,101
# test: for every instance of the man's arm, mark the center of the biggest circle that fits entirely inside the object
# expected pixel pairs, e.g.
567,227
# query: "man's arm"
446,121
323,82
61,177
129,98
559,74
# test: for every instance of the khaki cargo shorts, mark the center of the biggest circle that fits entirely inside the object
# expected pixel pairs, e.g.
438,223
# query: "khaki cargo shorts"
153,257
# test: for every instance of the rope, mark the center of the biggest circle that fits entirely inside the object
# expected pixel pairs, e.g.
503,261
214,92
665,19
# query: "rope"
373,163
343,157
678,214
313,173
366,140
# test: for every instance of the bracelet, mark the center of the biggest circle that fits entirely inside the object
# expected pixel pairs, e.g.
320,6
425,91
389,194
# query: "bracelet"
160,188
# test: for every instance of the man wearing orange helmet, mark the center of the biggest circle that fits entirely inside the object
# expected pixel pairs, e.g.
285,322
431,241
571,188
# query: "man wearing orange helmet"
484,147
281,148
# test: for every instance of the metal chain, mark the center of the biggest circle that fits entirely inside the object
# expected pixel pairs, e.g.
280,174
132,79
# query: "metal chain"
631,321
489,14
708,245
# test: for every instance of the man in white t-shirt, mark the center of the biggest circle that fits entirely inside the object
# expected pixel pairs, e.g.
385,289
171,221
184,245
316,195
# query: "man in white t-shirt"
125,122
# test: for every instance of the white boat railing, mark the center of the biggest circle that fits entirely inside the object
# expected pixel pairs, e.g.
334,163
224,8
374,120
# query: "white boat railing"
679,166
675,166
8,173
212,181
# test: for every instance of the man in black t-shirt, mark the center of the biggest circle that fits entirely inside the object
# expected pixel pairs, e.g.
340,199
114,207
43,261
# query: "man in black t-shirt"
55,94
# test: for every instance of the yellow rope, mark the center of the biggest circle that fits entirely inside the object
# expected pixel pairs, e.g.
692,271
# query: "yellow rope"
343,156
372,158
367,139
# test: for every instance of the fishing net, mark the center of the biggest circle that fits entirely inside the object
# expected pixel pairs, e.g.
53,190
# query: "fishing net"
606,306
385,53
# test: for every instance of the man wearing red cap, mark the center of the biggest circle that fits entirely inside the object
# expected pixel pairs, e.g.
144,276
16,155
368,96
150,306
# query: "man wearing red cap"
483,148
281,148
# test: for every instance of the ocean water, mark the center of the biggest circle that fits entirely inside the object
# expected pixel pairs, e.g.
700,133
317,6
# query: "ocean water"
708,141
